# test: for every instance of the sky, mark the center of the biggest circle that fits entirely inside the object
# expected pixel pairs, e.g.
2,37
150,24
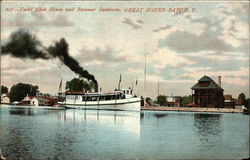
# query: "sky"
181,46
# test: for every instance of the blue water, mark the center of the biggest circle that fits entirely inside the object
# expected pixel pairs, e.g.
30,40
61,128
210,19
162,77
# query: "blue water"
40,133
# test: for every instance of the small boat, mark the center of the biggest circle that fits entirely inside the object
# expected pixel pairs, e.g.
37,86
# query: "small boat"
121,99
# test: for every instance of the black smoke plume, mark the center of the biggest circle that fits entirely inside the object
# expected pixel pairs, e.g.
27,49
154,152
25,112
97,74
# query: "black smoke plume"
22,44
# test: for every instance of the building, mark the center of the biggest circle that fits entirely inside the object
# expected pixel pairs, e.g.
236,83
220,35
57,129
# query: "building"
207,93
5,99
26,100
173,101
229,102
239,104
37,101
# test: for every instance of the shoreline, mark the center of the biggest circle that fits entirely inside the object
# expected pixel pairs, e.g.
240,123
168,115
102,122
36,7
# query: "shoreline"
161,108
193,109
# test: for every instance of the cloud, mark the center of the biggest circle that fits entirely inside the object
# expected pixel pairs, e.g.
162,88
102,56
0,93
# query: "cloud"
37,19
16,66
186,42
236,76
222,31
216,63
240,9
14,70
134,24
171,72
154,78
100,56
140,21
134,70
9,63
166,27
183,77
160,58
209,39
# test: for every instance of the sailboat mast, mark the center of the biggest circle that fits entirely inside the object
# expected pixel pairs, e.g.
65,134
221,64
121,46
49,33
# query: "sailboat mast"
158,87
145,71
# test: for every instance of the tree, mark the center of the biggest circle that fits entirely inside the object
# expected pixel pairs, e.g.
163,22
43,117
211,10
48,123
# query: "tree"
161,100
4,89
80,85
186,100
20,90
247,105
242,98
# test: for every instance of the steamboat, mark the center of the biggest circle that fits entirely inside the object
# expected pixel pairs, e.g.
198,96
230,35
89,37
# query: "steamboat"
121,99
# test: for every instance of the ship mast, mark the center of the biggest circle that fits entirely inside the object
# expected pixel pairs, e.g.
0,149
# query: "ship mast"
145,71
158,87
60,87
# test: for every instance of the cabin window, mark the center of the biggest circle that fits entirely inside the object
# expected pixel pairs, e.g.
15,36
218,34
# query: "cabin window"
83,98
127,91
73,97
119,96
108,97
102,98
88,98
70,97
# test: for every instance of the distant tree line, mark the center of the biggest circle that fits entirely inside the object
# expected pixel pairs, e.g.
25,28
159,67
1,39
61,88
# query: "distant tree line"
242,100
19,91
161,100
4,90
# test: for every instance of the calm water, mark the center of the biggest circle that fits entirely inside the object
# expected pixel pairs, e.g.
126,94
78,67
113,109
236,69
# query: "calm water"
37,133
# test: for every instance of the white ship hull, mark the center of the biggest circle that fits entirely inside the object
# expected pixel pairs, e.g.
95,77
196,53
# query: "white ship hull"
128,104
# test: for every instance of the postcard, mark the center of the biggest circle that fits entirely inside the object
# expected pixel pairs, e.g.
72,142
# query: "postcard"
142,79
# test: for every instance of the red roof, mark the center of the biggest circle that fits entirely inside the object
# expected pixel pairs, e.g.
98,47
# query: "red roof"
191,104
76,92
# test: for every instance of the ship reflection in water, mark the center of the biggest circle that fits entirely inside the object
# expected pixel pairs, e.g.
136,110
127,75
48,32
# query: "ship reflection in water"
129,121
49,133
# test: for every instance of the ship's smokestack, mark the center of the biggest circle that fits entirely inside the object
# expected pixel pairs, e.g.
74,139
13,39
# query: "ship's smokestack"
219,81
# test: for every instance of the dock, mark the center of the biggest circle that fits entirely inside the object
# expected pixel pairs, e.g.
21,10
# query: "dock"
192,109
